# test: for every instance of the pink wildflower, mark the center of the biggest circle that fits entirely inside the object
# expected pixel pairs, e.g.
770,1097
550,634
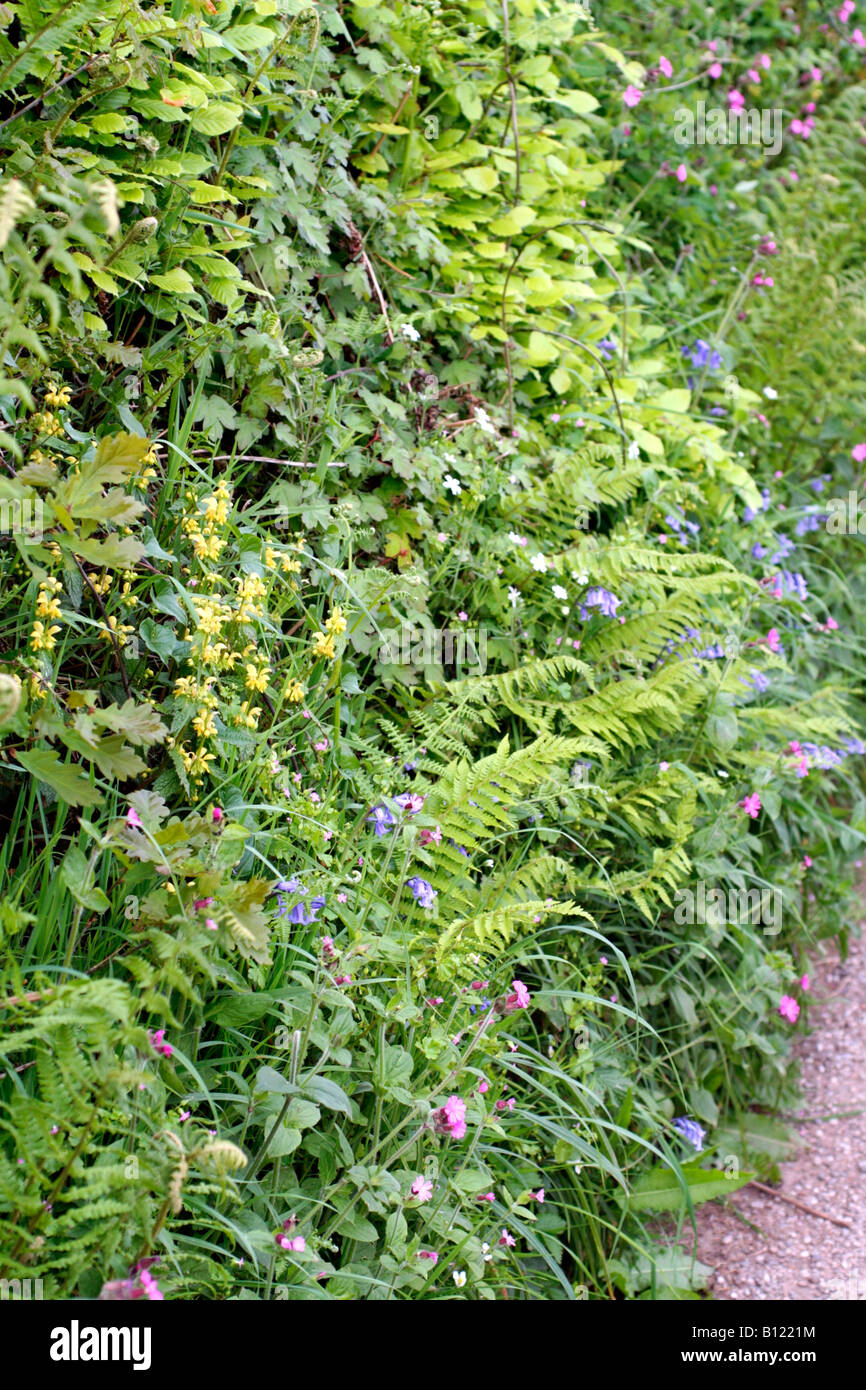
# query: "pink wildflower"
506,1239
632,95
666,66
773,640
789,1008
133,819
751,805
422,1188
805,984
450,1118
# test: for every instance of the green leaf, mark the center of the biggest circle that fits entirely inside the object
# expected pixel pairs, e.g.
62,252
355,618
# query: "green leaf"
76,873
327,1093
177,281
660,1189
267,1079
69,783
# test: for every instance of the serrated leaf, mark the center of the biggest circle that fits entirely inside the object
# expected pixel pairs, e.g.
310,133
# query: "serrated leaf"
66,779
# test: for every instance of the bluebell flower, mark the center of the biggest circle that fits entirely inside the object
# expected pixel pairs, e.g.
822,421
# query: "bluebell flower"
381,820
702,355
691,1131
602,599
607,347
795,584
423,892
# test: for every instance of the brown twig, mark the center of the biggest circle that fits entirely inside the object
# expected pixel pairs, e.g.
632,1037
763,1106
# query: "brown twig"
801,1206
359,254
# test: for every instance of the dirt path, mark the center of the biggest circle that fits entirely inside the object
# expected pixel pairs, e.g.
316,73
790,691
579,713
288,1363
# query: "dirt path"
794,1255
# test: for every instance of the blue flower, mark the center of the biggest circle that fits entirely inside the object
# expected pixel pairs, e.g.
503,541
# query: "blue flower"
302,916
691,1131
423,892
600,598
381,820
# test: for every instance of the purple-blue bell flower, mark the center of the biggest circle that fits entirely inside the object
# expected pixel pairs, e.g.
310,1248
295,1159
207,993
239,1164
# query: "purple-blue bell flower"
691,1131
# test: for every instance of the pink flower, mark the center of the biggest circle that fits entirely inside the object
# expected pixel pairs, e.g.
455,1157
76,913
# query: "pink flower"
858,454
846,10
342,979
430,1255
682,173
133,820
184,1116
714,70
430,837
158,1043
322,746
805,984
773,640
663,767
210,924
450,1118
603,960
857,39
506,1239
519,999
538,1196
751,805
789,1008
736,100
291,1243
202,902
665,66
463,616
764,61
632,95
505,1104
422,1188
328,952
482,1087
753,75
342,898
831,625
217,815
486,1197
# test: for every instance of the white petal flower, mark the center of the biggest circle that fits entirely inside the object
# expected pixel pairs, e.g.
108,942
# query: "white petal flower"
452,484
514,596
483,420
559,592
460,1277
771,393
539,563
634,450
411,332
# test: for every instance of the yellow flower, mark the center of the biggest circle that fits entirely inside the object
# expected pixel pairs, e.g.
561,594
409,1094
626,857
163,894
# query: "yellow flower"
257,677
204,724
58,396
47,607
42,638
336,623
290,566
323,645
294,691
116,629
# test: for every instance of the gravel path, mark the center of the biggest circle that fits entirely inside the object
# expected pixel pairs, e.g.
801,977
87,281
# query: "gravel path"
794,1255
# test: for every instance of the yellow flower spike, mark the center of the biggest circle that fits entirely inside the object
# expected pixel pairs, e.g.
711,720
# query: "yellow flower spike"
336,623
323,645
294,691
42,639
257,678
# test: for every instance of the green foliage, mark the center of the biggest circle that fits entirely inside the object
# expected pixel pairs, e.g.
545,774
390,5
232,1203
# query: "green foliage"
328,332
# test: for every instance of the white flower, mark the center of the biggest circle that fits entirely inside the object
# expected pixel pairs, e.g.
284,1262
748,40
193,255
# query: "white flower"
452,484
634,450
515,539
483,420
771,393
514,596
559,592
411,332
539,563
460,1277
